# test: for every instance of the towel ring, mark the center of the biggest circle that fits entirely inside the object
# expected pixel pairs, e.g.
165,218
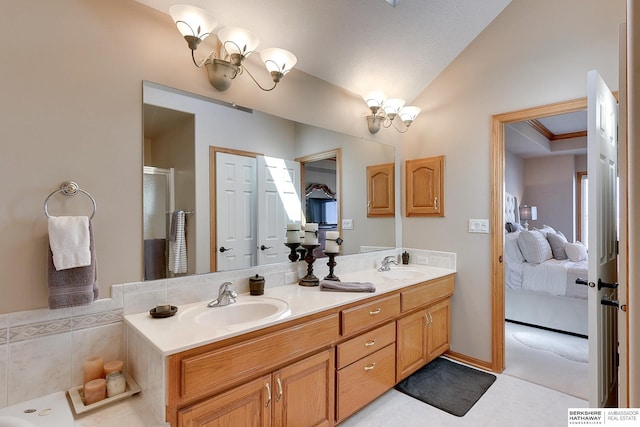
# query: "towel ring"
69,188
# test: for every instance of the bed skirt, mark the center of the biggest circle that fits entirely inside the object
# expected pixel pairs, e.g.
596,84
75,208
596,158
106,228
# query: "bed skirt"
555,312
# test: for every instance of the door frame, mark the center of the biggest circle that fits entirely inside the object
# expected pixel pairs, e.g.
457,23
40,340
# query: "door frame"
497,142
213,244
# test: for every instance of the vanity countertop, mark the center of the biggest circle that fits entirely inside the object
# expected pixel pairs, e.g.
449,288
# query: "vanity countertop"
172,335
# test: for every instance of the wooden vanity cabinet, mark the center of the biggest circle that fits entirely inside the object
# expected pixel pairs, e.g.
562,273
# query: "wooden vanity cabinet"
295,367
424,333
298,394
422,337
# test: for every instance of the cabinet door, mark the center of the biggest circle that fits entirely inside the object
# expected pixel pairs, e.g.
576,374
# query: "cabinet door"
438,329
303,393
247,405
412,344
381,190
425,186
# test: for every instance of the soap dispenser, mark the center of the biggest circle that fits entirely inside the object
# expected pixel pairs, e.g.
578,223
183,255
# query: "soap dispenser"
405,257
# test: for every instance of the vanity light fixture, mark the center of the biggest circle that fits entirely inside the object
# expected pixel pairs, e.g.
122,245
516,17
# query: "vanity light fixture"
236,44
384,111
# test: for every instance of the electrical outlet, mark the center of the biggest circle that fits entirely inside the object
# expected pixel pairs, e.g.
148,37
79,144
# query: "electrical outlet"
479,226
347,224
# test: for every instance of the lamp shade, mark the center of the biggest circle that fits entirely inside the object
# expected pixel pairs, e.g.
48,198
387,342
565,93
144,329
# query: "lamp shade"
528,213
192,21
409,113
392,106
278,60
238,41
374,99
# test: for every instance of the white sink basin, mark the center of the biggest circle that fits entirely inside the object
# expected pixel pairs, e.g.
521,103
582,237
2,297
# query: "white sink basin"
246,309
402,273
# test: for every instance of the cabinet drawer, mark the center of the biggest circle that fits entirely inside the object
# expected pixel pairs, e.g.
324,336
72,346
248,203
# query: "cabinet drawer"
367,343
361,382
427,293
369,314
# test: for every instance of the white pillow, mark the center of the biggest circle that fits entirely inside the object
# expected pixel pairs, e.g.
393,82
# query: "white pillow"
534,247
557,241
576,251
511,249
546,229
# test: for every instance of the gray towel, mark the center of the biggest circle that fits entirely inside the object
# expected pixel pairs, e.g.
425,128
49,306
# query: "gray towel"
73,286
330,285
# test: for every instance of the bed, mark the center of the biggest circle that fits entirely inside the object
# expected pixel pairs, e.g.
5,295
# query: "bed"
541,267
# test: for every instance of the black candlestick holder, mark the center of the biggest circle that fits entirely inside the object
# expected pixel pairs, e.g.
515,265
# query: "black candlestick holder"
309,279
293,256
332,263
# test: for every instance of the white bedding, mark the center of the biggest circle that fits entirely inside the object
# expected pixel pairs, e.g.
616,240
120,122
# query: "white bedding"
552,277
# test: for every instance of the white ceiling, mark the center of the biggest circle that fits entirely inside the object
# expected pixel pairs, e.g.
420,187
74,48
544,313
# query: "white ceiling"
360,45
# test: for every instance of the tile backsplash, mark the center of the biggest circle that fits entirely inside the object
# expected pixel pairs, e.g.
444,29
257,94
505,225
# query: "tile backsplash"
42,351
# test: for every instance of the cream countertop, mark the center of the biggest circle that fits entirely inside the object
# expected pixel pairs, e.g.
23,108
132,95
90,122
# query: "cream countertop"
171,335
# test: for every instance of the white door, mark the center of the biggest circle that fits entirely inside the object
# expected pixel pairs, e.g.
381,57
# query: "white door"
279,205
602,203
235,208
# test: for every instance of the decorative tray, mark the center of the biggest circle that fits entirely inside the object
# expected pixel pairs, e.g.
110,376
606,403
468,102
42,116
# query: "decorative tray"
76,394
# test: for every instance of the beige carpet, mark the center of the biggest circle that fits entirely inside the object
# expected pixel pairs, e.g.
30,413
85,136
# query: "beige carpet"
544,367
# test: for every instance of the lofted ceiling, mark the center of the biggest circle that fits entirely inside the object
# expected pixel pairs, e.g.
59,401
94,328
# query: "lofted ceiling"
360,45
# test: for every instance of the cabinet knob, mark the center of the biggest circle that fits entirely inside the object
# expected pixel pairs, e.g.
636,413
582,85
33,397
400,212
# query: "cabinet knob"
370,366
370,343
279,389
376,311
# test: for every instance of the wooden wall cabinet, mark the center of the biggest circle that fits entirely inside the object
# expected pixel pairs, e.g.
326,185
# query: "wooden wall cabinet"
381,190
425,186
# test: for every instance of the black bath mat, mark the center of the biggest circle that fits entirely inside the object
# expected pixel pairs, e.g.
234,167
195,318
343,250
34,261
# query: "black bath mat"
447,385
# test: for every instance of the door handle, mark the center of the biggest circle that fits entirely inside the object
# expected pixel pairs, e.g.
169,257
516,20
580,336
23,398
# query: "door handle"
580,281
263,247
268,387
609,302
223,249
279,383
602,284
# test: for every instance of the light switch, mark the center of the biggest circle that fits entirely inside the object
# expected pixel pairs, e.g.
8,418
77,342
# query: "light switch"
347,224
479,226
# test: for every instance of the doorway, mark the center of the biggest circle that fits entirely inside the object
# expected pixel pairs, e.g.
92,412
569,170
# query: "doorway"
498,208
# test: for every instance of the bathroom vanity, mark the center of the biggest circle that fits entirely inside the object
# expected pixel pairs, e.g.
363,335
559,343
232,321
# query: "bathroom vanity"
314,361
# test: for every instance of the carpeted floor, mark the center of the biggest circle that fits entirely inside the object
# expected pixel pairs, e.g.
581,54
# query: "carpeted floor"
534,355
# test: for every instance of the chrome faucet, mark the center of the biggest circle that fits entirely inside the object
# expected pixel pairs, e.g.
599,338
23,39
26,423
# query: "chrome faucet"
391,259
226,295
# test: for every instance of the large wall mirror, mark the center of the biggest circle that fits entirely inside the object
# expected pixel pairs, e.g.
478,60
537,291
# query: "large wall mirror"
194,145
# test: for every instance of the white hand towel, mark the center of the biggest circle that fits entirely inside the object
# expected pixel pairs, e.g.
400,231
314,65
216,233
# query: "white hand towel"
178,248
69,241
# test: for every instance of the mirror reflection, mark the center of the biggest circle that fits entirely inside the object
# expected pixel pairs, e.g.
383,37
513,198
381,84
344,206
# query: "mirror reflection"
284,172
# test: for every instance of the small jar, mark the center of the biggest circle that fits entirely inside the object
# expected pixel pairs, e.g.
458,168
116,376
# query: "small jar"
116,383
256,285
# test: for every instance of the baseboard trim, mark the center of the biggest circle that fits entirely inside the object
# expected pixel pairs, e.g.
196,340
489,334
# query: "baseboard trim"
470,361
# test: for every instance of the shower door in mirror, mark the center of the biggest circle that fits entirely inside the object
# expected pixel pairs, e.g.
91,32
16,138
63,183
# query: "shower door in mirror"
158,203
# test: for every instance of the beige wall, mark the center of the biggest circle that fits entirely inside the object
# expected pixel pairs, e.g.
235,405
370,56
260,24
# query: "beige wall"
534,53
71,109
